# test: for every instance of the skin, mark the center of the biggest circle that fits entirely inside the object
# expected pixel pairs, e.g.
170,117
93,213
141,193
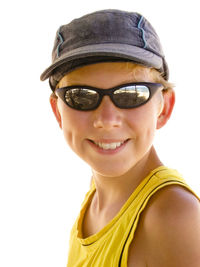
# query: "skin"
118,172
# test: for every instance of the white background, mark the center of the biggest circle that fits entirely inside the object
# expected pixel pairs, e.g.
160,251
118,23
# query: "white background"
42,183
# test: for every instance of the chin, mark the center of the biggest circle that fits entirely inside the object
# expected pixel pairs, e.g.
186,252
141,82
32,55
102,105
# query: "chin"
110,171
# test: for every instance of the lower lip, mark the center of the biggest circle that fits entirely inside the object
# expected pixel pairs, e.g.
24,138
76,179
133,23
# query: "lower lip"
107,151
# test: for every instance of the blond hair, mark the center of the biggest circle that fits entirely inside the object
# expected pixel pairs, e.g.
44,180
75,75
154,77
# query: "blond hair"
148,72
140,70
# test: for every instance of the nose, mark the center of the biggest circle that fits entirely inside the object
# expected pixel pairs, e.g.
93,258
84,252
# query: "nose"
107,115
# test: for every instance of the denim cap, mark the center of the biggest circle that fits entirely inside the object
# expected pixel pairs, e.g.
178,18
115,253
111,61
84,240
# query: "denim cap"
105,36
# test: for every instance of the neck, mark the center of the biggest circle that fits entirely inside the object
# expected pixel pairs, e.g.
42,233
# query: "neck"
115,191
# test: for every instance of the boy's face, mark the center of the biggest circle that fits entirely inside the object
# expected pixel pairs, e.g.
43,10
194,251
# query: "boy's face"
128,133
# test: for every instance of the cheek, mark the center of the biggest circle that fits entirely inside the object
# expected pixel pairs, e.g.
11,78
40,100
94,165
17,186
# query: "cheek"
143,121
74,125
71,118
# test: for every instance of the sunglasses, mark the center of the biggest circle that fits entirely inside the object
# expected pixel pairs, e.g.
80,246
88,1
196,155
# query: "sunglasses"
130,95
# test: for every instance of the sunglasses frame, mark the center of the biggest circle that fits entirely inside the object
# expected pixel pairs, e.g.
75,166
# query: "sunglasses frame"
153,87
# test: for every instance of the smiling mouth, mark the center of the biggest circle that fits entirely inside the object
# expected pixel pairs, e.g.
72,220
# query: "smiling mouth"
109,146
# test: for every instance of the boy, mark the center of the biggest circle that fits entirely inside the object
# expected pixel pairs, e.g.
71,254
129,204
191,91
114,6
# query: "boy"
110,94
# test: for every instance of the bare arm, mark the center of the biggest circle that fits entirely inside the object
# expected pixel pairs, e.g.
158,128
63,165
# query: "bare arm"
173,229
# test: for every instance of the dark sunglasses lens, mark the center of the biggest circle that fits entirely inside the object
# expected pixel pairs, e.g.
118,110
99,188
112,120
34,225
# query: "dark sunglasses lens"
81,98
131,96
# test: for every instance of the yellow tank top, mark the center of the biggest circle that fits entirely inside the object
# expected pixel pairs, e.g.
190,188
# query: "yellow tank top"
109,247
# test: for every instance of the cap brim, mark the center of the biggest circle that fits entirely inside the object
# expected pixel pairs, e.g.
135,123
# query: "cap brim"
126,52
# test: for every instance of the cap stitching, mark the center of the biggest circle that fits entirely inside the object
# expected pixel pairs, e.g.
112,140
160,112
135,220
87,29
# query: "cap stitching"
61,41
142,30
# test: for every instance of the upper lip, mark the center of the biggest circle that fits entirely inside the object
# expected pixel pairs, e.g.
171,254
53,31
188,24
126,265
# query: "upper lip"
108,141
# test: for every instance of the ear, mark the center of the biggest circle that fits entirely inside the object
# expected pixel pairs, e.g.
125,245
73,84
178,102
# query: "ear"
53,101
168,104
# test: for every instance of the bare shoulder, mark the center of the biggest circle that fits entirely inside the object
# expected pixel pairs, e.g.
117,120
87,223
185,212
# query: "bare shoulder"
172,200
172,227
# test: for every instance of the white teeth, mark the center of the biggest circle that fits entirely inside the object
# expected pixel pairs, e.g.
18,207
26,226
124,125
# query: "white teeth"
107,146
